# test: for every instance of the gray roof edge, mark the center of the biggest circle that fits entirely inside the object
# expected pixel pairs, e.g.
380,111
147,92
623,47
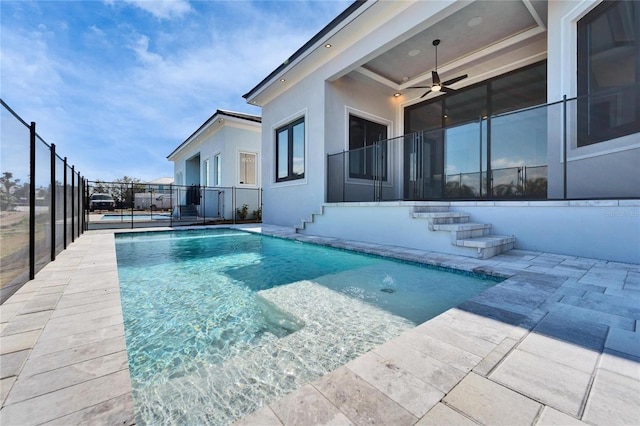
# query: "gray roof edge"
331,25
219,112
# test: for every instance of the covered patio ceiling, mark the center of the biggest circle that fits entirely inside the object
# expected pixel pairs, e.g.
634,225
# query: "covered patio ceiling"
471,36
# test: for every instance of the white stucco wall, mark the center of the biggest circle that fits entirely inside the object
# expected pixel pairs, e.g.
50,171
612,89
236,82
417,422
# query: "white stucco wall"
287,203
607,229
608,158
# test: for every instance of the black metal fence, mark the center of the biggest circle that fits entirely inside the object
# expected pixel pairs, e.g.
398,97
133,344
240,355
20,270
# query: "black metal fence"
41,202
501,157
139,205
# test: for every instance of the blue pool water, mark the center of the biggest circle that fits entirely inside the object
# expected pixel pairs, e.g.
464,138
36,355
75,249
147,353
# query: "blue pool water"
127,217
219,321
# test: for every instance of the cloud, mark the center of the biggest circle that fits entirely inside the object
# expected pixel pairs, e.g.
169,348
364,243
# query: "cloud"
117,93
163,9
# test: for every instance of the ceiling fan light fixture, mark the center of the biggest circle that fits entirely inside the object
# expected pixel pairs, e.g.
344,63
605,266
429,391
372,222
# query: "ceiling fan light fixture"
436,88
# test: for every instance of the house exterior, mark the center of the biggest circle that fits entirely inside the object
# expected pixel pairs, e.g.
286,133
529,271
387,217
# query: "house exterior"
352,148
217,168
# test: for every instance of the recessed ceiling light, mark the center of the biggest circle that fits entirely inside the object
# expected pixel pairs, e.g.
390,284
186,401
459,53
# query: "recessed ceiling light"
474,22
282,80
328,45
414,52
395,95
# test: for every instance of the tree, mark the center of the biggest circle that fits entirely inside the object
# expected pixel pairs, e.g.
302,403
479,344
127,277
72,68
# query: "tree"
8,197
121,190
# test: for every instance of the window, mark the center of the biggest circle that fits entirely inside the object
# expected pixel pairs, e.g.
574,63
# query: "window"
609,72
290,151
205,167
217,170
247,168
367,158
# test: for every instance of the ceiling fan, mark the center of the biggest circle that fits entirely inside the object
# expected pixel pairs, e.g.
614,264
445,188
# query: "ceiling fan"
436,85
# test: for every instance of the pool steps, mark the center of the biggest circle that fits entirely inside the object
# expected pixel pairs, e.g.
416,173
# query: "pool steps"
463,232
475,237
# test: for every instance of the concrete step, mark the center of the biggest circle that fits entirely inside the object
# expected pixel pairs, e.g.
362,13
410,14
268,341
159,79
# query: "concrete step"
432,208
442,217
188,211
489,245
461,231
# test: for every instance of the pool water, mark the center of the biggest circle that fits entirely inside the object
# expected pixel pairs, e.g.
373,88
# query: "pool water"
219,322
128,217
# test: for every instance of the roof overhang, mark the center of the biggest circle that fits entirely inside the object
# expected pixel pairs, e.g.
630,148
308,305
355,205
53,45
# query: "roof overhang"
214,123
391,43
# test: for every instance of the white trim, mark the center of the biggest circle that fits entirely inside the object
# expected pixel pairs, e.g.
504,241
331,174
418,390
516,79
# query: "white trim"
569,46
217,169
534,14
390,157
205,171
303,113
240,151
609,149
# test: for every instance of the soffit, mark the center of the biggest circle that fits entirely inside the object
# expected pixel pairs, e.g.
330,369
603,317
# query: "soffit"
461,36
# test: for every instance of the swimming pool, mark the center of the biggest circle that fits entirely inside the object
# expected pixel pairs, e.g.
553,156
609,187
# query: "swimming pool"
128,217
219,322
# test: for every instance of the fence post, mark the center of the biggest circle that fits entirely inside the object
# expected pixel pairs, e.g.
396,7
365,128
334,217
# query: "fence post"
52,205
64,201
480,156
32,201
73,207
132,204
564,147
489,170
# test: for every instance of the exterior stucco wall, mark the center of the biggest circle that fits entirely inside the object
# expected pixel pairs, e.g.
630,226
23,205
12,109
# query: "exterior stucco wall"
228,142
365,98
288,203
606,230
608,158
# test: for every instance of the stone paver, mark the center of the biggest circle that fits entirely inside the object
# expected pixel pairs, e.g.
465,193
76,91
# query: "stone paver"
308,407
361,402
544,380
442,414
614,399
490,403
387,372
557,343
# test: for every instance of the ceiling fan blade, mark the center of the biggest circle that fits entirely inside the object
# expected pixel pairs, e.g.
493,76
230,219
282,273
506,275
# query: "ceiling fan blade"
425,93
445,89
434,77
454,80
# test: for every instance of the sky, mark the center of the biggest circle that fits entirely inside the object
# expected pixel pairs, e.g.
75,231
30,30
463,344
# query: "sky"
117,85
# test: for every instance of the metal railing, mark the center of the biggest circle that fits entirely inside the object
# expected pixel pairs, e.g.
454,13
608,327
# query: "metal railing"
141,205
41,202
536,153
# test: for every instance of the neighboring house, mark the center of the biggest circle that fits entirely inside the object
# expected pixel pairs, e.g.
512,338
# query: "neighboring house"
352,148
218,166
155,195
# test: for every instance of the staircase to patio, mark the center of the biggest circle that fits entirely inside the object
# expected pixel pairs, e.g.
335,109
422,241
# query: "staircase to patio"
402,224
463,232
188,211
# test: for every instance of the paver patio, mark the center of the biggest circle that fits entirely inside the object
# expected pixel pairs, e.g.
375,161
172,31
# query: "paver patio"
556,343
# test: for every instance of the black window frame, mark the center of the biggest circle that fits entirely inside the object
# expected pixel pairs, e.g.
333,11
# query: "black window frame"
291,176
587,134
